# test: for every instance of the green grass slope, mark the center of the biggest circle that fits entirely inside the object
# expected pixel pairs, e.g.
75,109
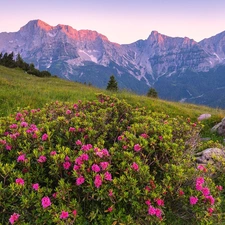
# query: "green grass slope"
18,90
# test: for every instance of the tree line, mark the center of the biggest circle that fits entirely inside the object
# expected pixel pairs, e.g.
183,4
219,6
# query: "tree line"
8,60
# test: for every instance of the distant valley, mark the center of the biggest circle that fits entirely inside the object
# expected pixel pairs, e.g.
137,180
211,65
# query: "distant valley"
180,69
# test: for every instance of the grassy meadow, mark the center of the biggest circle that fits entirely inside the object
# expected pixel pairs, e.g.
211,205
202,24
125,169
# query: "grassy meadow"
19,89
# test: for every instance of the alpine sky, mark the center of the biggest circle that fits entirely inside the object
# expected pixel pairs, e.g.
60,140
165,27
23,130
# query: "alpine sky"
122,21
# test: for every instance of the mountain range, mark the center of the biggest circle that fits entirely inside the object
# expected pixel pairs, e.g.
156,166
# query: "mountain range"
180,69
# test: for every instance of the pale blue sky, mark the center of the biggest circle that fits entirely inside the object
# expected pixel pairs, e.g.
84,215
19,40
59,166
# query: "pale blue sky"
122,21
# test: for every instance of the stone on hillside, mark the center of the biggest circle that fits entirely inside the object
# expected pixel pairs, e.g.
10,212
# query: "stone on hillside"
220,128
204,117
210,155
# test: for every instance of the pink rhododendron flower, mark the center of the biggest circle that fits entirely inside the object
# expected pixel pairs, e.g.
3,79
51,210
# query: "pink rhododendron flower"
98,181
201,168
220,188
42,159
67,158
14,136
108,176
13,126
8,147
158,212
44,137
52,153
72,129
46,202
181,192
19,116
147,188
110,193
99,153
14,217
84,157
66,165
120,138
151,210
144,135
68,112
104,165
64,215
159,202
148,202
210,210
105,152
86,147
160,138
35,186
24,124
76,167
135,166
95,168
211,199
79,161
110,209
193,200
34,136
20,181
137,148
80,180
54,195
200,180
205,191
74,212
21,158
3,142
198,187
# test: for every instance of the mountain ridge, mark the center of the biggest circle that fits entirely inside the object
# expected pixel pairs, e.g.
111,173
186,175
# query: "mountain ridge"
88,56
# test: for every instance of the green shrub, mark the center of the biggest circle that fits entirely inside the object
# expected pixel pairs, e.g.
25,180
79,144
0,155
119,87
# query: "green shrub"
102,162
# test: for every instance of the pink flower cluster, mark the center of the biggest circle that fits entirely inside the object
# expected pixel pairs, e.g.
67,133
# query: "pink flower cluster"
20,181
46,202
204,190
44,137
21,158
135,166
98,181
66,165
137,148
86,147
64,215
80,180
42,159
101,153
14,217
35,186
153,211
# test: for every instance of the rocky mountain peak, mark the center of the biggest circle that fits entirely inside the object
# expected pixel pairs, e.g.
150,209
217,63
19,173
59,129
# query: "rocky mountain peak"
155,36
36,24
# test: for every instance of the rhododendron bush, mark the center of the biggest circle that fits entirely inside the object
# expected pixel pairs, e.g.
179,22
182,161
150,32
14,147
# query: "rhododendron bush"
102,162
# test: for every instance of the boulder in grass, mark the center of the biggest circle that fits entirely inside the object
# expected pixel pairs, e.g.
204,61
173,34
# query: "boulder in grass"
204,117
210,155
220,128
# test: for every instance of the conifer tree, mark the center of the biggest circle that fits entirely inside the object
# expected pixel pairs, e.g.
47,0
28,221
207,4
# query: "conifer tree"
112,84
152,93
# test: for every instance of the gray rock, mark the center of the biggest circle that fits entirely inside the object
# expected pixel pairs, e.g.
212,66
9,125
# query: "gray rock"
204,117
220,128
210,155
